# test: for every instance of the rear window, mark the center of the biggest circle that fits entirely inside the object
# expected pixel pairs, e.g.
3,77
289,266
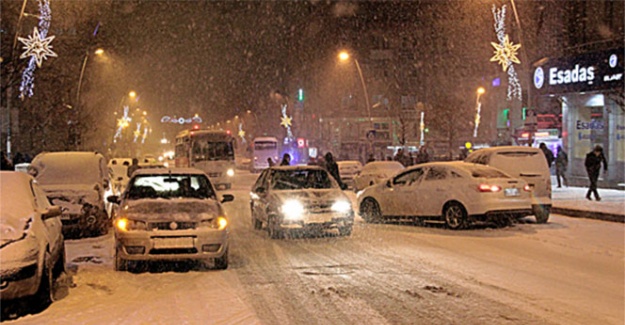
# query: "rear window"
517,162
477,172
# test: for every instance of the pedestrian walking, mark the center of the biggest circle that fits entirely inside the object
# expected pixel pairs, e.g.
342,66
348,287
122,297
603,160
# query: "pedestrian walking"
547,152
286,160
333,168
423,156
562,161
593,162
270,162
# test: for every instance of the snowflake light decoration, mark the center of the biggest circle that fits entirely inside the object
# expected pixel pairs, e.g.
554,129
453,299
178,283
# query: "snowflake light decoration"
241,133
37,47
286,122
122,123
506,53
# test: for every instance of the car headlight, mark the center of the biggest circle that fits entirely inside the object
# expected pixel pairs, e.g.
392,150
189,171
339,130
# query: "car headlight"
341,206
219,223
125,224
230,172
292,209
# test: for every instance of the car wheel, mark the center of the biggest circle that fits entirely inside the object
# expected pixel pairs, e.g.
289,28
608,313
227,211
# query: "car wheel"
345,231
221,263
43,297
454,215
370,210
120,263
273,228
59,266
542,213
256,224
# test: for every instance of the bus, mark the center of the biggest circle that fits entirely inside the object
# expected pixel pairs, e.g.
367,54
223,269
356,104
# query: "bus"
209,151
264,148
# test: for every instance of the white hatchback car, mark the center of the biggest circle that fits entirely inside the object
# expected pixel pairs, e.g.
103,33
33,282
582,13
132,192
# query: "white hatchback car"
170,215
455,193
527,163
376,172
32,249
348,169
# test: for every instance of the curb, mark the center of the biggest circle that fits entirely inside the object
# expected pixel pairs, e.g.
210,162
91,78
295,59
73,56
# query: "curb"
589,214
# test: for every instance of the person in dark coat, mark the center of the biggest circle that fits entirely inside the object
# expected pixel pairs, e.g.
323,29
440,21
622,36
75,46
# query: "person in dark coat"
547,152
593,167
270,162
333,168
5,163
286,160
562,161
132,168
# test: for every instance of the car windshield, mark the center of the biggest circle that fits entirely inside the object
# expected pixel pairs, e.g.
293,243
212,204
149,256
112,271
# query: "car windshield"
169,186
302,179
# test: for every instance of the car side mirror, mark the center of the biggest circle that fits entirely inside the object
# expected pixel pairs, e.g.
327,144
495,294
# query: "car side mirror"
113,199
389,184
227,198
53,211
260,190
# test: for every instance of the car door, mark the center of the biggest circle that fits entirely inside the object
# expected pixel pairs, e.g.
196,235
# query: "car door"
259,196
53,228
433,190
401,198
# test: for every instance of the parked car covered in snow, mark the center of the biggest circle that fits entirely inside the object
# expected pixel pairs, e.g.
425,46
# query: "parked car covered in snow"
528,163
299,198
170,214
455,193
348,169
376,172
76,181
32,250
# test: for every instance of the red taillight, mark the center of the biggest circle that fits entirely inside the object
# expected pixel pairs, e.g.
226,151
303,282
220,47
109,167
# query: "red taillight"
488,188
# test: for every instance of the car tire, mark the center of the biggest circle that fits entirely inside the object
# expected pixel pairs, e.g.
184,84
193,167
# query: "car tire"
221,263
257,223
44,295
345,231
273,228
541,212
370,211
59,265
120,263
454,215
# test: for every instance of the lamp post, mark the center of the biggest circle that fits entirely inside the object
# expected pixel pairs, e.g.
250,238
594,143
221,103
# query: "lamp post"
478,107
82,73
344,56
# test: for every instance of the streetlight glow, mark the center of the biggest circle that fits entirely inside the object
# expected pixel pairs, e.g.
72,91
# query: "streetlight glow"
481,91
343,56
132,94
99,52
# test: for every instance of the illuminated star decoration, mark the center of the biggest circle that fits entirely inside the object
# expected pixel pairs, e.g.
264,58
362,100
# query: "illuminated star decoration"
505,53
241,133
37,47
122,123
137,132
286,122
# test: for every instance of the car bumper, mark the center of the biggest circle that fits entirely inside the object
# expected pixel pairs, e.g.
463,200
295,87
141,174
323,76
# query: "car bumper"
76,223
18,282
319,220
171,245
500,208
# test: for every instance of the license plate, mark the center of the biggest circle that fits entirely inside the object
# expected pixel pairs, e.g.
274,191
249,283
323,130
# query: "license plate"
173,242
511,191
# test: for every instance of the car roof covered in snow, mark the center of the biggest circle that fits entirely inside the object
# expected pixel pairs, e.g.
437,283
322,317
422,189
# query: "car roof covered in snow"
298,167
382,165
16,199
167,171
506,149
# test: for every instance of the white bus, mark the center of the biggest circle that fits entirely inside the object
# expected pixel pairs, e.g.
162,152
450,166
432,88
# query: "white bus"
209,151
264,148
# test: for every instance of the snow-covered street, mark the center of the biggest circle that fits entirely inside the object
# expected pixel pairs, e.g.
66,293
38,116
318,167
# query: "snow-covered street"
568,271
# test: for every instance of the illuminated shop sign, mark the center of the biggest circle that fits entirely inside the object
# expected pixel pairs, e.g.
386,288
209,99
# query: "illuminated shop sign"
181,120
584,73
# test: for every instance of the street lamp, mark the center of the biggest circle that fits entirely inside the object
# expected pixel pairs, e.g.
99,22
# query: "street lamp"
478,107
97,52
344,56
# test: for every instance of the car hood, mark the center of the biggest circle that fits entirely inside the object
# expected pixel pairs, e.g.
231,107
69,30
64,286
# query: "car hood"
174,209
64,195
14,229
310,196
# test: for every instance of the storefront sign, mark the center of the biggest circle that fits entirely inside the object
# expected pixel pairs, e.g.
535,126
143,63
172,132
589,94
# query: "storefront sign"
588,72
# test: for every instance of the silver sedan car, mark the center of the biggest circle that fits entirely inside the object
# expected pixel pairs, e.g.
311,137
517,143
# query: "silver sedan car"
171,215
291,199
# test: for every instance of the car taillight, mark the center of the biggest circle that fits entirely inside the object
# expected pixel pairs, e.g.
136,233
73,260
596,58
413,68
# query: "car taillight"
488,188
527,188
